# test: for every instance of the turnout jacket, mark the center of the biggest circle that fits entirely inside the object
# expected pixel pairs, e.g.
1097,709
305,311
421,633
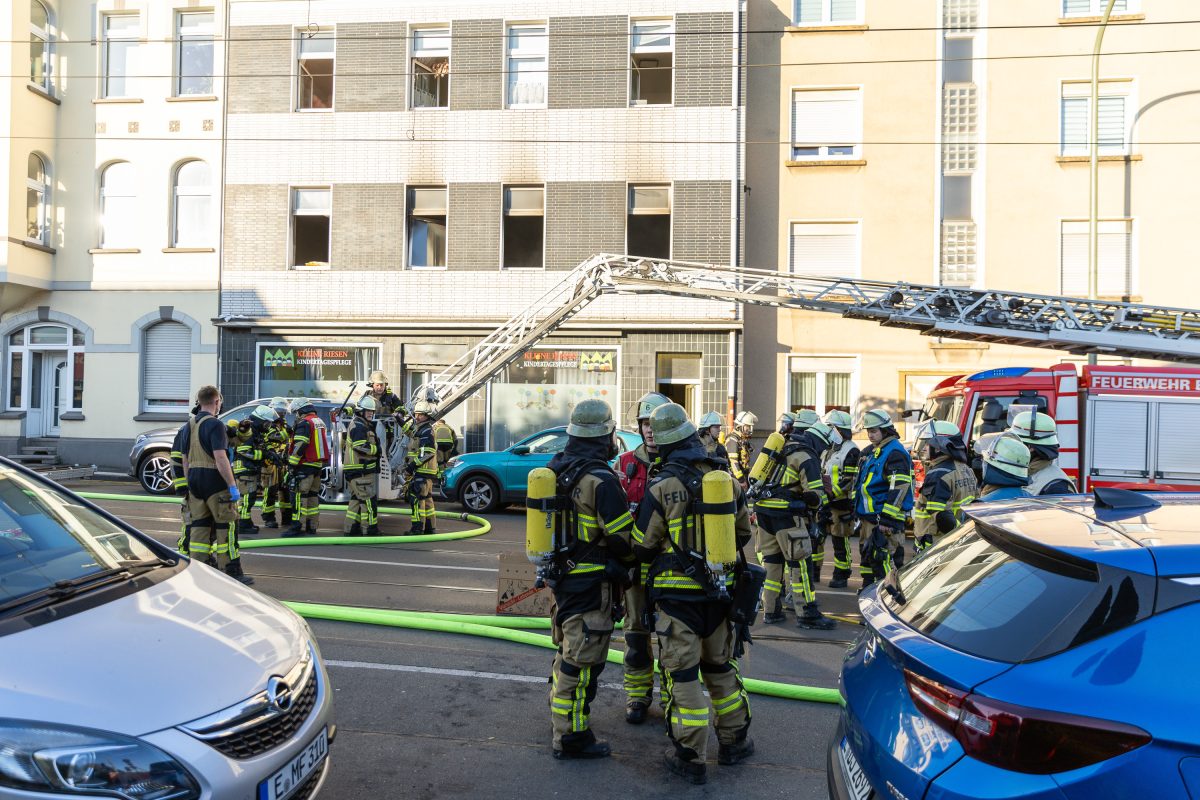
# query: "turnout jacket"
597,521
360,454
634,470
422,450
739,452
949,485
797,486
840,465
1046,477
884,490
310,444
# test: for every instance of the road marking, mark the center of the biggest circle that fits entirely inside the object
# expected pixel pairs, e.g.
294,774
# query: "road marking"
452,673
364,561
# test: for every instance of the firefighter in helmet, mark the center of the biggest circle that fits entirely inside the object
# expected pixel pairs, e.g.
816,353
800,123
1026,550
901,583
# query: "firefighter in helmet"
787,420
360,464
634,469
710,435
738,445
421,467
249,455
840,469
1005,467
883,496
307,460
1040,435
278,442
446,441
589,571
696,639
949,483
386,403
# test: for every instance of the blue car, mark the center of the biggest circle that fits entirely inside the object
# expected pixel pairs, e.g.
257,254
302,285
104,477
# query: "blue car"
1046,649
483,482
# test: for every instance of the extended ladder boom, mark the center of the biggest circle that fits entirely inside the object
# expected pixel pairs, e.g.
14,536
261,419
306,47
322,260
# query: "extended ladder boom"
983,315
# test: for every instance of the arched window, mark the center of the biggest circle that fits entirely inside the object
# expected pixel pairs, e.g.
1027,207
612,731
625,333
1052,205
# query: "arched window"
37,190
192,206
39,45
118,199
166,367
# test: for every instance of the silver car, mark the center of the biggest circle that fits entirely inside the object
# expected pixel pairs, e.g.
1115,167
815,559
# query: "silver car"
131,672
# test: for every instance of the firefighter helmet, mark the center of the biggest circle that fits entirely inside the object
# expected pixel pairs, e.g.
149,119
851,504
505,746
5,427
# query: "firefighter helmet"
591,419
875,418
1004,452
425,407
377,376
367,403
937,435
805,418
786,420
264,414
302,405
1035,429
820,430
670,424
649,402
745,420
710,420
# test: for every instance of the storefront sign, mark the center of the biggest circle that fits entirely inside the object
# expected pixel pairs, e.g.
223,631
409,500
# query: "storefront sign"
313,370
584,360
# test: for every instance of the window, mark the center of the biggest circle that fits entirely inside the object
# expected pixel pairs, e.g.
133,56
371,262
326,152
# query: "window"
1116,107
828,12
651,62
118,206
826,124
679,379
192,209
959,238
524,227
194,59
39,45
960,15
37,190
821,384
526,66
1095,8
426,220
648,224
120,49
315,70
312,211
1115,262
431,68
312,369
36,355
825,249
960,117
166,367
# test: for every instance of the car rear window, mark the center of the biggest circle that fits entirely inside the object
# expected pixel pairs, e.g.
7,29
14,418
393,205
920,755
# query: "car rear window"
992,595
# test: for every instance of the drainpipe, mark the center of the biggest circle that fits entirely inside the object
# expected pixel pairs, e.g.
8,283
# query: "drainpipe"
735,192
1094,177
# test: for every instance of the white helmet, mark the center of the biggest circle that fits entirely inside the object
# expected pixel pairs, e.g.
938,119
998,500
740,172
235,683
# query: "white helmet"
264,414
746,419
425,407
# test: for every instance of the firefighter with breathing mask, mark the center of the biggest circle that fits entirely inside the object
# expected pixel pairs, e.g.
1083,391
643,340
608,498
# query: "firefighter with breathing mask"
949,483
738,446
1005,467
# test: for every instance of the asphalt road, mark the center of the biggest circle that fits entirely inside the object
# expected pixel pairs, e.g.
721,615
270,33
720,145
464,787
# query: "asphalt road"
423,715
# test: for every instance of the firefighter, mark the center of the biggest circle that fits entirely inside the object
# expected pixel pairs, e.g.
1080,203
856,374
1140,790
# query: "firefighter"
949,483
446,441
179,480
249,455
787,421
696,638
710,436
840,467
586,575
737,443
212,490
798,422
360,464
308,458
277,445
788,505
386,403
1040,435
883,496
634,469
1005,467
420,465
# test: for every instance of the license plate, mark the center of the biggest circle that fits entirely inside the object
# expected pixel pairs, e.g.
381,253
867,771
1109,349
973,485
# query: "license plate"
856,779
296,771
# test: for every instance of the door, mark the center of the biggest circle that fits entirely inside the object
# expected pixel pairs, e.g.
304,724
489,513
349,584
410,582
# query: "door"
542,448
56,393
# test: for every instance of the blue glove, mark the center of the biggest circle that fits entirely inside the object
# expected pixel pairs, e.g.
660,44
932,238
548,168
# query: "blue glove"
234,494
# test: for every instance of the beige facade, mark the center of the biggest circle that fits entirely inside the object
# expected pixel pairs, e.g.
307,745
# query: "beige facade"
929,133
110,259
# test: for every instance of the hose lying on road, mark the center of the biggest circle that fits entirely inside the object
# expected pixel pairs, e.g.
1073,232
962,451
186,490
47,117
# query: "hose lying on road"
507,629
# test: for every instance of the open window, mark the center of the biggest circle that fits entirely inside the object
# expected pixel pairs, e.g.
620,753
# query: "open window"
430,68
524,227
426,221
651,62
311,218
314,69
648,225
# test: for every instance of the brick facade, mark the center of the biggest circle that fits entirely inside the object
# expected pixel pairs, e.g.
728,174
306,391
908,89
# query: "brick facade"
473,238
256,227
704,60
371,62
700,221
261,62
476,64
368,226
590,71
583,219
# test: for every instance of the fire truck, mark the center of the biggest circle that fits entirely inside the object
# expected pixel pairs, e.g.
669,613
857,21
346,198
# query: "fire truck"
1119,426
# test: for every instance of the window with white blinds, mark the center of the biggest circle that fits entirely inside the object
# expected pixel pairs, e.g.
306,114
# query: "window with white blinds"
825,249
1115,106
1115,264
1094,8
166,367
828,12
826,124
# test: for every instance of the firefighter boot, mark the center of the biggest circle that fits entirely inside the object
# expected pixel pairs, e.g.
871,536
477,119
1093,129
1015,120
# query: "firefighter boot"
246,527
416,529
840,579
269,521
813,619
355,530
636,711
234,570
582,745
692,770
295,529
429,531
373,530
730,754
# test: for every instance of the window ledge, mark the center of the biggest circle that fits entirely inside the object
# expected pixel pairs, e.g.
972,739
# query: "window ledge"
36,245
161,416
192,98
40,91
1088,159
825,28
15,414
72,416
113,250
309,268
314,110
189,249
1096,19
834,162
104,101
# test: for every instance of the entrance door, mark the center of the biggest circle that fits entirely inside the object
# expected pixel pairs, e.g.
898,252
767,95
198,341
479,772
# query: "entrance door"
55,393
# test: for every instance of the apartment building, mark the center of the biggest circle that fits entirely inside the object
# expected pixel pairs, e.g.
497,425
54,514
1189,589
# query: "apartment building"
948,143
111,218
401,178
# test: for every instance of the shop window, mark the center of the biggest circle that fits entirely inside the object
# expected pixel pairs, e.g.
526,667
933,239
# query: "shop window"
430,68
311,225
119,221
651,62
426,221
678,377
39,45
192,205
314,69
317,369
37,190
166,367
527,50
524,227
648,223
120,47
539,389
194,54
821,384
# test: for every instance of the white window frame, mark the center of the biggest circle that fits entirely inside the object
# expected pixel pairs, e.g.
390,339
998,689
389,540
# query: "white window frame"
105,194
181,37
823,148
106,39
178,191
504,189
43,36
858,226
524,55
413,53
43,192
1096,9
670,187
1132,227
293,212
407,254
826,20
302,35
634,21
1082,89
146,406
27,349
822,365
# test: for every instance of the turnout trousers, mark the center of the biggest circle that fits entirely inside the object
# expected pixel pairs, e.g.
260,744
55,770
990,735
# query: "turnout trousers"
308,498
362,508
639,655
840,531
582,627
248,486
782,543
213,529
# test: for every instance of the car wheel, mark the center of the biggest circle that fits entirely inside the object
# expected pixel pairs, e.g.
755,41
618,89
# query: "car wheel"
479,494
155,473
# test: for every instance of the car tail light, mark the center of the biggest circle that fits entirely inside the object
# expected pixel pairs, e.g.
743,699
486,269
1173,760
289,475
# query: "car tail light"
1028,740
